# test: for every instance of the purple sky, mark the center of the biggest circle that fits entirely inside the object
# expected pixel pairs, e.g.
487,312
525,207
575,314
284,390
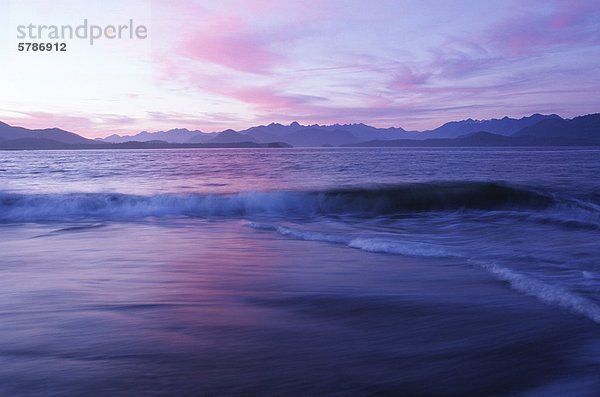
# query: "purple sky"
213,65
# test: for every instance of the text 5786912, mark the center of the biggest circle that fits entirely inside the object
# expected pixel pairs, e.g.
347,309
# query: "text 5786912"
41,47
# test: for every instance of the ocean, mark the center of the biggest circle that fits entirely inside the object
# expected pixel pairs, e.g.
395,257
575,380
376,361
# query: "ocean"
300,272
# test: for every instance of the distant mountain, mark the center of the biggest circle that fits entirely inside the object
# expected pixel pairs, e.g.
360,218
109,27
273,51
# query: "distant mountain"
473,139
582,128
365,132
504,126
535,130
580,131
16,138
167,145
33,144
291,133
484,138
177,135
231,136
271,133
315,137
9,133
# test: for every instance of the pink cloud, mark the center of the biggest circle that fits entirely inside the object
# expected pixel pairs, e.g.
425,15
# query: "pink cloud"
481,71
231,36
263,97
407,79
204,122
550,25
270,99
41,120
250,36
230,42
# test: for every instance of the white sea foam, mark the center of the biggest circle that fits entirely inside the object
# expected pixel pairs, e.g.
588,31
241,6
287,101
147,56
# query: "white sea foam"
547,293
551,294
410,248
40,207
300,234
387,246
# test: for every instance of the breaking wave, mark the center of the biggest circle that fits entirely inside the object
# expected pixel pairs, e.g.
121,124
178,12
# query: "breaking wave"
368,201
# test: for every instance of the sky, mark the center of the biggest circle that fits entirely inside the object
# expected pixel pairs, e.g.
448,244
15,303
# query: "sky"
213,65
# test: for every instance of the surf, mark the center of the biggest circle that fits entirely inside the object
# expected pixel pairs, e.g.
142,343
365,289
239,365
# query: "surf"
366,201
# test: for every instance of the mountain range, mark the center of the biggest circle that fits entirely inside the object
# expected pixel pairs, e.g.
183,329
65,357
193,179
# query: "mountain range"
505,126
10,133
294,134
534,130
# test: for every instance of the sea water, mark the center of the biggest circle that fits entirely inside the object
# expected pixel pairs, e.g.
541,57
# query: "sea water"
309,272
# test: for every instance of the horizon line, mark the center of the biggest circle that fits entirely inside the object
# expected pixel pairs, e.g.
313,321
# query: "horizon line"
291,123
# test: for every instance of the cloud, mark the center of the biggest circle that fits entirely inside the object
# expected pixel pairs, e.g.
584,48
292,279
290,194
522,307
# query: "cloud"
206,122
245,36
546,26
230,42
237,63
407,79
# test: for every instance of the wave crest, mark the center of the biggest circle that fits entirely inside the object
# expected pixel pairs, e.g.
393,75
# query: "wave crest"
367,201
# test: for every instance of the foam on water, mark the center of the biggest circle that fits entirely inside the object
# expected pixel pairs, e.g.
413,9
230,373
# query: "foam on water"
409,248
386,246
551,294
547,293
300,234
362,201
488,200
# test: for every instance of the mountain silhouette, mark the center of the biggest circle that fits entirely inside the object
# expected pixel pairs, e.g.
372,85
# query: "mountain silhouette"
9,133
314,137
231,136
534,130
504,126
582,128
177,135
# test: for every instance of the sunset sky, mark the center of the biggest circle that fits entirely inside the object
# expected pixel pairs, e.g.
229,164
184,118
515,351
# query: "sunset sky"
213,65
